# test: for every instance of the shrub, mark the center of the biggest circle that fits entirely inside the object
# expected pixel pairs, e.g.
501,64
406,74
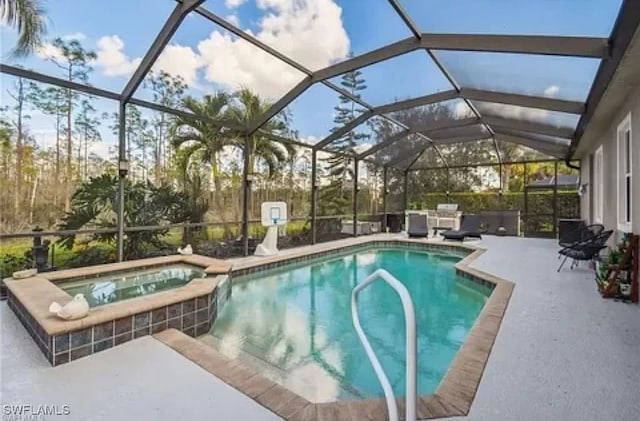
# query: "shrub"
14,262
539,202
90,257
94,203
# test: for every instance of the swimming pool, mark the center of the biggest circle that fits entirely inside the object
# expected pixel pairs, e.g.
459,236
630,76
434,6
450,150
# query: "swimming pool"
293,324
112,287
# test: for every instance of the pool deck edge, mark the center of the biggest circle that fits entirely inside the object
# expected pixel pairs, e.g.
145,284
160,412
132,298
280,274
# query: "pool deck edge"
454,395
460,383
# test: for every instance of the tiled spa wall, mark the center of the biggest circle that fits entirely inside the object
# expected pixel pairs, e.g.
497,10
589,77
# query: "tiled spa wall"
3,291
193,317
476,279
224,290
42,339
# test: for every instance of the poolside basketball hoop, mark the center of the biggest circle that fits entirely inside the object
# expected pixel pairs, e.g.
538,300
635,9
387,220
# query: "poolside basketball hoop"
272,215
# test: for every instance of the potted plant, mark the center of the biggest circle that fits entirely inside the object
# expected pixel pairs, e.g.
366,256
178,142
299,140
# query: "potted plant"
607,263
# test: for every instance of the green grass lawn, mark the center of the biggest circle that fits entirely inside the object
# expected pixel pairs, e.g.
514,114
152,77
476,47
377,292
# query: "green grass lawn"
61,255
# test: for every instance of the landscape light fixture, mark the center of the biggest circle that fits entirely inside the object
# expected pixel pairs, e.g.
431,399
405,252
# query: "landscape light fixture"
123,167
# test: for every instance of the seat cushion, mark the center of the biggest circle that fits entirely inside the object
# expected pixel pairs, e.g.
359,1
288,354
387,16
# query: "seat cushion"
417,234
453,235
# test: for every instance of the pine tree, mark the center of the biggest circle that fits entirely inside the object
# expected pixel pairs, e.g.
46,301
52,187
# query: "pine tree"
137,137
21,96
75,61
87,123
166,90
333,199
52,101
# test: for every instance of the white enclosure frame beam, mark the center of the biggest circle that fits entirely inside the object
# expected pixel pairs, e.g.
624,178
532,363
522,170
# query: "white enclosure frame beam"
343,130
91,90
461,139
590,47
521,44
387,142
433,130
527,126
169,28
543,103
573,46
416,102
418,150
405,18
279,105
539,145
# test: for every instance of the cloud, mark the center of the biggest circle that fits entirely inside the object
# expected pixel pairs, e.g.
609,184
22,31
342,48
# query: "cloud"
178,60
44,136
112,59
362,147
309,31
235,63
48,51
528,114
309,140
462,110
102,149
77,36
232,4
514,112
233,19
551,91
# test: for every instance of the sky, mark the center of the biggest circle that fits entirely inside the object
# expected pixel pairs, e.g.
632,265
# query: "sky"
318,33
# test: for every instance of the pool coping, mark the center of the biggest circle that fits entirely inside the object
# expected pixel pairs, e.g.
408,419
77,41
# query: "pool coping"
455,393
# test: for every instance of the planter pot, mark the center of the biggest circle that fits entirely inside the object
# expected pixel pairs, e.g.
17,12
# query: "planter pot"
625,290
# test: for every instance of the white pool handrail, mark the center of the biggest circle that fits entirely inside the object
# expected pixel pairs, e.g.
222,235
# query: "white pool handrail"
410,323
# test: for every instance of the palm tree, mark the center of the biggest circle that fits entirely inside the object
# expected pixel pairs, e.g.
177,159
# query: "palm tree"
272,153
203,137
203,133
28,17
220,121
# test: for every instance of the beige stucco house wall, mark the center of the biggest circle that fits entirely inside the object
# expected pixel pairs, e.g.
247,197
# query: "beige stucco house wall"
622,99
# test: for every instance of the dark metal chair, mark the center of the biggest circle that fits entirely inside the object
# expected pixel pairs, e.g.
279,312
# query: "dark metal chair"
581,233
470,227
585,250
417,225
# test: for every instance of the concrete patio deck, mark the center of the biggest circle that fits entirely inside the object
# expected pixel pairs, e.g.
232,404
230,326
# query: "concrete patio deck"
562,353
139,380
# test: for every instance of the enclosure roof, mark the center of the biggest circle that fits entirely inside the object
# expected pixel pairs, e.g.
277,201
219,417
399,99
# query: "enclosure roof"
513,83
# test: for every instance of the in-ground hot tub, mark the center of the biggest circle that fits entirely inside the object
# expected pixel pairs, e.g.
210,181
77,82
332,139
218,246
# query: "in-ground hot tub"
118,286
127,300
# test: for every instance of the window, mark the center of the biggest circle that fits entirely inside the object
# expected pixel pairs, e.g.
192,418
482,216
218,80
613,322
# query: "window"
597,189
624,174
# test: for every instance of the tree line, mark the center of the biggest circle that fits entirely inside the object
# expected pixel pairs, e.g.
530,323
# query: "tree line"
200,153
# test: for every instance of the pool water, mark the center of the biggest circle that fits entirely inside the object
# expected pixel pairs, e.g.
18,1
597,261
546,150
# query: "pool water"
113,287
293,324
